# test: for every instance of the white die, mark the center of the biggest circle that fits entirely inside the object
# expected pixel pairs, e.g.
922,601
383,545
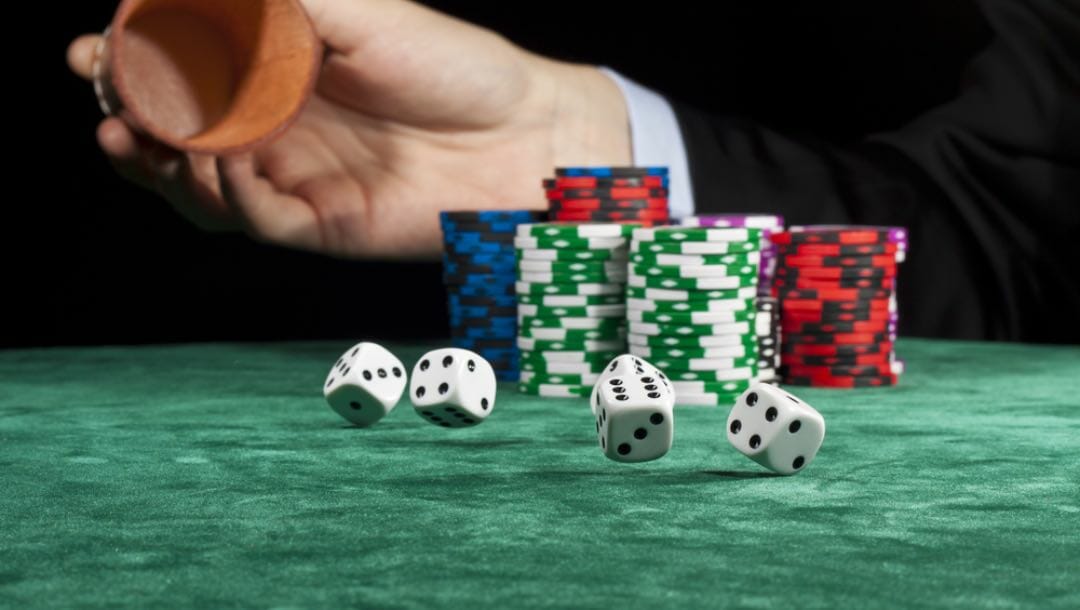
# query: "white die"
634,366
365,384
453,388
775,429
634,417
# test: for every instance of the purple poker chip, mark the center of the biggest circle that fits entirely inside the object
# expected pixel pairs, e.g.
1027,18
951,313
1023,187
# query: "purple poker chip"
740,221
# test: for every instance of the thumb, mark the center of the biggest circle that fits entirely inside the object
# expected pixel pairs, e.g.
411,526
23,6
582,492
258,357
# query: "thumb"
337,21
345,25
80,55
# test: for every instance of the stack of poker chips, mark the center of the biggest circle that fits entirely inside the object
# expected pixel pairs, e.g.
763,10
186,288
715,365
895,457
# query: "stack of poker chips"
767,329
571,304
691,303
768,223
768,321
478,271
636,195
837,291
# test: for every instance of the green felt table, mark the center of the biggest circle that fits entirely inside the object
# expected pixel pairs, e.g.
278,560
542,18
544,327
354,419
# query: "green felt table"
216,476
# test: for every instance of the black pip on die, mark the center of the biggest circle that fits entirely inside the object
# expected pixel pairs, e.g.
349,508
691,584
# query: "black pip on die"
453,388
775,429
365,384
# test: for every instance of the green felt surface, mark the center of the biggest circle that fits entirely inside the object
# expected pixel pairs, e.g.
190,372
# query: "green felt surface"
215,476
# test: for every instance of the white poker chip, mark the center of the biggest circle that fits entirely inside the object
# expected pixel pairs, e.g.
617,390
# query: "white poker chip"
701,364
593,243
705,283
605,267
693,247
571,334
708,341
750,221
568,256
689,307
530,345
677,260
739,374
550,278
574,230
663,353
650,329
568,323
693,317
666,295
568,289
701,234
570,300
570,357
592,311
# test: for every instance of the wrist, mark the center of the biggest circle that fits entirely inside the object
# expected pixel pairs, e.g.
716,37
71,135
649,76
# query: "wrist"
589,119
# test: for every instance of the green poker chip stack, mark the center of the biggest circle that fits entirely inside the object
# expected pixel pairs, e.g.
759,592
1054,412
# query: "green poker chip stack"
691,309
571,287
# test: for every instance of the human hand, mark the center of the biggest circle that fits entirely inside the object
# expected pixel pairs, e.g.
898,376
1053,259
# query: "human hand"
414,112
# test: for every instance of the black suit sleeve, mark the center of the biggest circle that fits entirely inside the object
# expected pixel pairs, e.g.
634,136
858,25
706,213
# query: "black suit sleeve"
988,184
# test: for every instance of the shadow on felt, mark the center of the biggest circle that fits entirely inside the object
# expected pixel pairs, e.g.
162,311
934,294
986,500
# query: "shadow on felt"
738,474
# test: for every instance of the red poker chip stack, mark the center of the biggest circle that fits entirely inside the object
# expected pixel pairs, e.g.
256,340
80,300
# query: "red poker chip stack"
837,291
619,195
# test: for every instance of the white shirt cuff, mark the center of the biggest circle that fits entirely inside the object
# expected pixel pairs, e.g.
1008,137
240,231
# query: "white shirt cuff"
657,140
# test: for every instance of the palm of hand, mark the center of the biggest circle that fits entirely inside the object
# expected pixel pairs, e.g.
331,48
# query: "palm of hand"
388,141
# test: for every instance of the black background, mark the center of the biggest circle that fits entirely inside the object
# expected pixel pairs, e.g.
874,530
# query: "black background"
91,260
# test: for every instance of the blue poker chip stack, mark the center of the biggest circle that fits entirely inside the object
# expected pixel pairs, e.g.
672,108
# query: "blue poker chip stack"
479,275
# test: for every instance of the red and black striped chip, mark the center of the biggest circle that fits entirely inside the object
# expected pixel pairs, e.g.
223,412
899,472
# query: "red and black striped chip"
837,249
866,326
836,273
833,294
850,360
610,215
558,205
802,283
611,193
822,317
813,260
846,235
836,338
851,349
833,306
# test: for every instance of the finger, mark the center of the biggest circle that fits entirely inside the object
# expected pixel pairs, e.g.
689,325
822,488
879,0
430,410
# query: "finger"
80,55
188,182
267,213
121,147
